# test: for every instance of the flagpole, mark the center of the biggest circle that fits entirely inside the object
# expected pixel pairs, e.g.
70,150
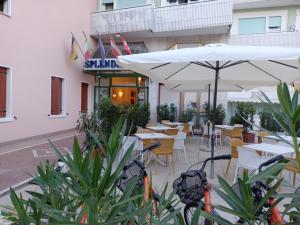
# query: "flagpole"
78,44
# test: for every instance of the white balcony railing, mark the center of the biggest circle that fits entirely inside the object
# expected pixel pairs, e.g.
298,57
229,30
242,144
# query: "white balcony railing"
122,20
203,14
192,16
283,39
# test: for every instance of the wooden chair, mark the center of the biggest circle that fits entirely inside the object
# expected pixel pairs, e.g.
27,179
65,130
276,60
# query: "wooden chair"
186,129
292,166
144,130
261,135
171,132
236,132
166,149
234,143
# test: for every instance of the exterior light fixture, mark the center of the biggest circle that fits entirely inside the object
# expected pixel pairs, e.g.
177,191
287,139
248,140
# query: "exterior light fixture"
120,94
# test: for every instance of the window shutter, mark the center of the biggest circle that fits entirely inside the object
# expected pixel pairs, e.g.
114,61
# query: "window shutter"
59,97
84,97
3,76
56,96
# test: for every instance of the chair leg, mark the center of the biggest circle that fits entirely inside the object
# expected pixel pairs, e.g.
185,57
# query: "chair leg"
172,161
236,173
294,180
228,165
185,154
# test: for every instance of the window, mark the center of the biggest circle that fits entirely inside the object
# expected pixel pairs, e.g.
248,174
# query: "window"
122,90
84,97
275,23
252,25
57,96
3,92
108,4
5,6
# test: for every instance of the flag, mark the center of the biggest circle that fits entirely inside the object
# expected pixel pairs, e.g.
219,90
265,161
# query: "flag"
74,50
115,51
125,46
101,48
88,52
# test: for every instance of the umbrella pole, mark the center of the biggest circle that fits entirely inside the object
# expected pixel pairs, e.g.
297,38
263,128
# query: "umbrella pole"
208,114
213,136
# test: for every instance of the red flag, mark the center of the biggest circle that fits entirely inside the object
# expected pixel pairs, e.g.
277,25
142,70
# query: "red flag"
88,52
125,46
115,51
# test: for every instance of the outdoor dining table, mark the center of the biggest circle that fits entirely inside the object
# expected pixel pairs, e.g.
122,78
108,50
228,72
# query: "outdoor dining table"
173,124
285,137
274,149
155,137
160,129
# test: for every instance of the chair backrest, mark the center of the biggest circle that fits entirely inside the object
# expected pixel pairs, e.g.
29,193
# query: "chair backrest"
166,147
186,128
236,132
144,130
205,129
191,123
234,143
180,127
260,136
171,132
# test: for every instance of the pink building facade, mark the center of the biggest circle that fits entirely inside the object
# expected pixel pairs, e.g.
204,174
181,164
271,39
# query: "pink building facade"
35,41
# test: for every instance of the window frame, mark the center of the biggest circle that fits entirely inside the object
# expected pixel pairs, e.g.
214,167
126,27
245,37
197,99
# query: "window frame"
8,11
9,116
63,98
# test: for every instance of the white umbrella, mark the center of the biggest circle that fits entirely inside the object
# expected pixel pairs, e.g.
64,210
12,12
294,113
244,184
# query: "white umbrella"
253,65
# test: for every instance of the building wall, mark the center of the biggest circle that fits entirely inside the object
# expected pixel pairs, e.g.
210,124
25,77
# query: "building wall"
35,42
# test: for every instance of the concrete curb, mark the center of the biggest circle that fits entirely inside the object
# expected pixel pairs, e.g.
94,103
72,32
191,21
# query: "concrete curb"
16,187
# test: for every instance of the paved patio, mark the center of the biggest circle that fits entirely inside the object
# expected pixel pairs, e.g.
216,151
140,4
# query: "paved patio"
162,175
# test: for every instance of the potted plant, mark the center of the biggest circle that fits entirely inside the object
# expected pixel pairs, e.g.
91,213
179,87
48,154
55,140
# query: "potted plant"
187,115
220,113
244,114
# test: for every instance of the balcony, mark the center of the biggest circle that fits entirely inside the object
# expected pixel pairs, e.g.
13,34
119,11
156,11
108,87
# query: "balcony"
282,39
204,17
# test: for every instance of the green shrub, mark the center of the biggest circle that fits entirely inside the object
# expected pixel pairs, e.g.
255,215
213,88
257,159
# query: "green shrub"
107,116
220,113
244,112
187,115
166,112
268,122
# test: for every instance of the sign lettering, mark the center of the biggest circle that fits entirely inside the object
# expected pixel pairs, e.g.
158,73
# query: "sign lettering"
101,64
